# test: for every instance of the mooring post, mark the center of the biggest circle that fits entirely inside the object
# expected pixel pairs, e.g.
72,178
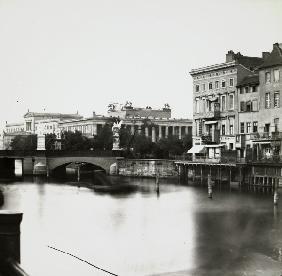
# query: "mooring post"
78,173
276,194
209,186
9,237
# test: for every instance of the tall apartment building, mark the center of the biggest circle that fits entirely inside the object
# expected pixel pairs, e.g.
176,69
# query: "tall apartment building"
267,140
215,96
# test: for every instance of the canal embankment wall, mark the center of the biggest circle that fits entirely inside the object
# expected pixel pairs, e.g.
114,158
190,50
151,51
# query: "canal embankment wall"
147,168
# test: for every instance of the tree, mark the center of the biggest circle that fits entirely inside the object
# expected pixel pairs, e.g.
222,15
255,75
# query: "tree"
104,140
24,142
75,141
50,139
142,145
187,142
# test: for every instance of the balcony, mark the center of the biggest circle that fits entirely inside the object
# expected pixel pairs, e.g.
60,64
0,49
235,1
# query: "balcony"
214,112
266,136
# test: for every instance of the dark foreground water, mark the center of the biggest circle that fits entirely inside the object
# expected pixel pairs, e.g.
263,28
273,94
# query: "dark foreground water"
139,231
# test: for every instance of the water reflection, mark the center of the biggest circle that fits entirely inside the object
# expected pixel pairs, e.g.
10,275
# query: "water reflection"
136,227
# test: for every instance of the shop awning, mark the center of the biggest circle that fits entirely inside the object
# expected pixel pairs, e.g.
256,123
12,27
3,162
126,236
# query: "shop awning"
196,149
215,146
261,142
210,122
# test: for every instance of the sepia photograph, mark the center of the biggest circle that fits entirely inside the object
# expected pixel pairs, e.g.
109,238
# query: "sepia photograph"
140,137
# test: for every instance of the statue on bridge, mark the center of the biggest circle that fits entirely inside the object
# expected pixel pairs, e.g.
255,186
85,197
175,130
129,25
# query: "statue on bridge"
116,129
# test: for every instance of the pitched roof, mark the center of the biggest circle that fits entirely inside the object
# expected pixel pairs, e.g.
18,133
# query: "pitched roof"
52,115
249,62
275,57
249,80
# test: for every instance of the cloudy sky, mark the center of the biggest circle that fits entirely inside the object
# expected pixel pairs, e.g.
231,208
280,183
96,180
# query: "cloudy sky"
69,55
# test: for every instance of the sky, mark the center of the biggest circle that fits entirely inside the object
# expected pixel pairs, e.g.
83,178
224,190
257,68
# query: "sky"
67,56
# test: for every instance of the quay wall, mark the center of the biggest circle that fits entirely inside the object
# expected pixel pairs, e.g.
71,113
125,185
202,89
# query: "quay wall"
147,168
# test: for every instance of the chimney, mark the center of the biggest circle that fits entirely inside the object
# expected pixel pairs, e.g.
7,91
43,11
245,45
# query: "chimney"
265,55
94,113
279,45
230,56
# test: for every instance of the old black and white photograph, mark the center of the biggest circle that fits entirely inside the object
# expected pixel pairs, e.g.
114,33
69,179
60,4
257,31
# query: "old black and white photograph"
140,137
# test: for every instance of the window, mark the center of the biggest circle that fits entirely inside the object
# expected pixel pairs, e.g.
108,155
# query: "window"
267,77
267,100
204,86
231,146
231,128
248,106
223,129
231,101
210,85
28,126
197,88
242,106
255,126
231,82
242,128
223,102
255,105
248,130
197,106
276,124
241,89
247,89
266,127
223,84
276,75
276,99
216,84
255,88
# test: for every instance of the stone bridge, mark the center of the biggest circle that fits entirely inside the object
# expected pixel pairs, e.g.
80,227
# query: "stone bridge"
48,161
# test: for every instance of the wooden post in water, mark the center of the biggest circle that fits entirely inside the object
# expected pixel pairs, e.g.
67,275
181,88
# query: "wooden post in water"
201,174
78,173
276,192
209,186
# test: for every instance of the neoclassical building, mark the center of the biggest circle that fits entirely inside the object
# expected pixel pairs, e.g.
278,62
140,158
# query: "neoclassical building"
154,123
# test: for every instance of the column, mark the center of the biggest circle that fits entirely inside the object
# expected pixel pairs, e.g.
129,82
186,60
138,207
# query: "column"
146,131
179,133
166,131
153,134
132,129
173,130
186,130
160,132
139,129
94,129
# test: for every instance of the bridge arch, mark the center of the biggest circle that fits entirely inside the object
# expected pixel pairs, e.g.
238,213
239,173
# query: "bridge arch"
102,162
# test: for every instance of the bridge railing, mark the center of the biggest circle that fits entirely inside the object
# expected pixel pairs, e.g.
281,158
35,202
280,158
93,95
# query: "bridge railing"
56,153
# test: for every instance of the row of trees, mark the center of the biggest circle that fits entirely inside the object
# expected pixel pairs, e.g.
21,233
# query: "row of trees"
133,145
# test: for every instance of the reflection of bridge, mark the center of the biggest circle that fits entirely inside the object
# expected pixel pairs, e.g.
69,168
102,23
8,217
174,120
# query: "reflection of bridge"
43,162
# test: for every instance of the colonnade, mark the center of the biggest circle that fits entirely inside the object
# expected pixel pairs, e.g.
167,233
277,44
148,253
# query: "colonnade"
156,132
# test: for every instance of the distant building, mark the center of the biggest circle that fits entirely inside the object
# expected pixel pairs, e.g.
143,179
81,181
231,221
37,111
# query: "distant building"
154,123
48,121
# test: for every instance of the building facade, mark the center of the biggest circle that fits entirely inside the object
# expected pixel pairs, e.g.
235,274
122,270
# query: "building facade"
153,123
267,141
215,111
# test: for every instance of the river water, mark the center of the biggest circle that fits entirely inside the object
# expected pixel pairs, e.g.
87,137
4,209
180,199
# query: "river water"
140,230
